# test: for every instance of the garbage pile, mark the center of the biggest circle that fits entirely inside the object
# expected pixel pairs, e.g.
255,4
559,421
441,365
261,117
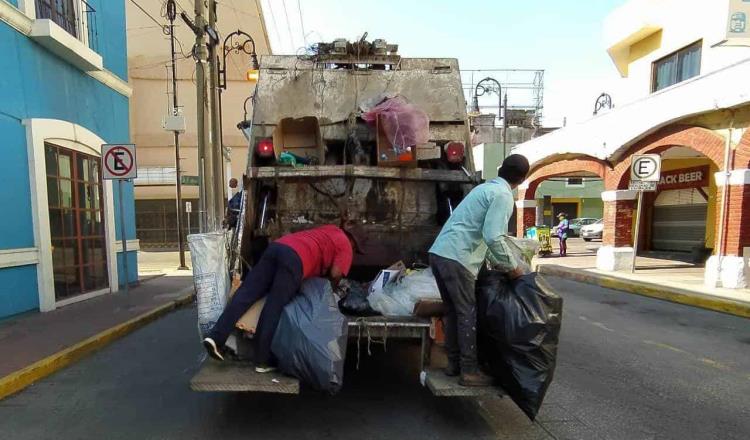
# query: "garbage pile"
519,326
310,341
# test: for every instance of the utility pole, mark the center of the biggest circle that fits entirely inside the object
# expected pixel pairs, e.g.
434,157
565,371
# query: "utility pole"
505,125
205,155
172,14
216,146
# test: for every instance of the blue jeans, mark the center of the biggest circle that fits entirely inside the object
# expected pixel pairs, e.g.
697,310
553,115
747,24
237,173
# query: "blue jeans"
277,275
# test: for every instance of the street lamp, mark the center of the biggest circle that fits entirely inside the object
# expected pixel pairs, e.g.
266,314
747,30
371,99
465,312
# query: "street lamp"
237,42
603,101
480,90
234,43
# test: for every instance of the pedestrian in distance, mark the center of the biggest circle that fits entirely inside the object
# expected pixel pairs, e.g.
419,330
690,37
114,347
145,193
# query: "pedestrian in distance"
472,233
325,251
563,228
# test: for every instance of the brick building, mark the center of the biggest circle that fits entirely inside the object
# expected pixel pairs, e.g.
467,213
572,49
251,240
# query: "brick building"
683,95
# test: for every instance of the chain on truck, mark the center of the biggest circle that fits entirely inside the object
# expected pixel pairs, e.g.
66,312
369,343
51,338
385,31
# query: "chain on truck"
311,107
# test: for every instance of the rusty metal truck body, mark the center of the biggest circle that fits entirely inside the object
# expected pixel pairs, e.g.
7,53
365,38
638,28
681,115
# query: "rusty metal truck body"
401,209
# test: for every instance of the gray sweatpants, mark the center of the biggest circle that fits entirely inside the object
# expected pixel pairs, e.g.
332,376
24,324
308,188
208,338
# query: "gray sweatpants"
456,286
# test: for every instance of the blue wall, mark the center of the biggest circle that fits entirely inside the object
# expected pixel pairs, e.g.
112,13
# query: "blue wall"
37,84
18,290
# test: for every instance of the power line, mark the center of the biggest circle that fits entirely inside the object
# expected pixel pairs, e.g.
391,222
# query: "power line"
288,24
273,18
302,22
162,26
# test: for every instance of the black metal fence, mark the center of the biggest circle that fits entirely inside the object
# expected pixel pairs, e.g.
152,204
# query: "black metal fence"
156,223
77,17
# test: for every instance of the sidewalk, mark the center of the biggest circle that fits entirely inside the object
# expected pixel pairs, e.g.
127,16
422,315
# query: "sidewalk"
664,279
37,344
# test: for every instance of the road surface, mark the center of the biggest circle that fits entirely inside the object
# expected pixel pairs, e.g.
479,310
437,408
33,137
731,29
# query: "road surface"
629,367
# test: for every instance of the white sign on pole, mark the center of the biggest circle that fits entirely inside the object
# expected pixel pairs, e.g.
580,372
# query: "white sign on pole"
188,207
118,161
645,168
640,185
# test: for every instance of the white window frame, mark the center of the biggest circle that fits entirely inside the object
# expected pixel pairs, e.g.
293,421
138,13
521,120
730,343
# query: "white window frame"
575,185
74,137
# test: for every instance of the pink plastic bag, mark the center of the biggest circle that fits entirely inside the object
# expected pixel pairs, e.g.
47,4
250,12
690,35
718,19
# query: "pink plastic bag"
404,124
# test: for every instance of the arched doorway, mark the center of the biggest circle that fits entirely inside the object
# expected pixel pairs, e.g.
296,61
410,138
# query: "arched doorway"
568,178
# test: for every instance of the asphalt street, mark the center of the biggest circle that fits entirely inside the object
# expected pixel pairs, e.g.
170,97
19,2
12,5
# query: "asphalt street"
629,367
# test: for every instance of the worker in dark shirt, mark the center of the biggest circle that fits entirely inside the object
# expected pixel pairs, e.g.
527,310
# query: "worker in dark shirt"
326,251
234,206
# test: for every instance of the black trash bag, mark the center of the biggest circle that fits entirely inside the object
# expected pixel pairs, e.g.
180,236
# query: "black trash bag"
310,341
519,326
355,302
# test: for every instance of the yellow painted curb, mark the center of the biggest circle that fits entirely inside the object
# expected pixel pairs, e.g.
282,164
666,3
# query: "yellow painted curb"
20,379
680,296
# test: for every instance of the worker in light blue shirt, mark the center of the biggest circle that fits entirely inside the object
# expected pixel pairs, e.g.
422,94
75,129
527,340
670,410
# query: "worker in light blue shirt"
472,233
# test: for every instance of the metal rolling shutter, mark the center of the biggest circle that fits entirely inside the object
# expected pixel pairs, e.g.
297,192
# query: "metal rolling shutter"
679,223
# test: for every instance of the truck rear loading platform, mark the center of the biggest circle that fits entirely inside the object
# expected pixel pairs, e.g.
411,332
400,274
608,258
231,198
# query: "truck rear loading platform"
239,376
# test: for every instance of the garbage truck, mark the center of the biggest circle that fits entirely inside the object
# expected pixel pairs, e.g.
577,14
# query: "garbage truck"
314,159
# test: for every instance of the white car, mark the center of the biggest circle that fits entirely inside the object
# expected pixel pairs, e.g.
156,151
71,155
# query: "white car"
592,231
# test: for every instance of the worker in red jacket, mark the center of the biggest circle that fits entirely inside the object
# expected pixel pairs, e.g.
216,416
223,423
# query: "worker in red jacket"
326,251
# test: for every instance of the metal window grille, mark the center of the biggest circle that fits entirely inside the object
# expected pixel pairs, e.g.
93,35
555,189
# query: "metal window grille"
77,17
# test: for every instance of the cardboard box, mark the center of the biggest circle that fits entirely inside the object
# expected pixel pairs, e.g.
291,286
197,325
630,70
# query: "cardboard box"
300,136
249,321
387,276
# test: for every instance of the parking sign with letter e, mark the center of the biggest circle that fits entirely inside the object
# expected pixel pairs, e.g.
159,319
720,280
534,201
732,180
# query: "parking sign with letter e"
645,168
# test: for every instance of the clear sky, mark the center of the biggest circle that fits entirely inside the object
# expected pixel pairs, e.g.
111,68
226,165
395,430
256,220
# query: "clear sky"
561,37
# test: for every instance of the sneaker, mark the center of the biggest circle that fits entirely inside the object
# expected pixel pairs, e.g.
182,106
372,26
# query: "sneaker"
477,379
212,349
264,368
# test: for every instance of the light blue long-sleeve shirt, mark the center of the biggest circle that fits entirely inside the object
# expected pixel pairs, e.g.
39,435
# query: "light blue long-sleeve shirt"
477,225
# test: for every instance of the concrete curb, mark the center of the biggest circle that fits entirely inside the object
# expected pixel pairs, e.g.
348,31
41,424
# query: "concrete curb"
672,294
21,379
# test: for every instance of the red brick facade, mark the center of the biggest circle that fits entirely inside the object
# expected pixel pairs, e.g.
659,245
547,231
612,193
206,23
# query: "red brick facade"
736,224
551,169
525,218
618,223
618,215
699,139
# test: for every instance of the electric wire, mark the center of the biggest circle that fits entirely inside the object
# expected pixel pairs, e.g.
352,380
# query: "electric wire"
302,22
161,25
273,19
288,24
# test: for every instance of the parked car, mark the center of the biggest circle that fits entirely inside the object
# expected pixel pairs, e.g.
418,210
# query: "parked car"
592,231
575,225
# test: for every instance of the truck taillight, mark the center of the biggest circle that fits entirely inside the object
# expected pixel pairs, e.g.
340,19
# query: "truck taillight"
454,152
265,148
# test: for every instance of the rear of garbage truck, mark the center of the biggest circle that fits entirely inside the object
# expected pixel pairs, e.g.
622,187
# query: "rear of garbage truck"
313,159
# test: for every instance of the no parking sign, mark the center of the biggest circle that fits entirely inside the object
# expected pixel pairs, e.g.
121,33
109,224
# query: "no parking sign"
118,161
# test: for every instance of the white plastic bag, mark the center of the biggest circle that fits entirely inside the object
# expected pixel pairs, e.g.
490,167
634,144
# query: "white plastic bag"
399,298
519,253
210,275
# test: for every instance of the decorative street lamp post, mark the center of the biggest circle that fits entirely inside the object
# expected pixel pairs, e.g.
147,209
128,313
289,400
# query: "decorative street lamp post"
480,90
603,101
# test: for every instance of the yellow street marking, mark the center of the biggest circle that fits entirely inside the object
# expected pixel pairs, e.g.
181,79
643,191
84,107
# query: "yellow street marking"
666,346
715,364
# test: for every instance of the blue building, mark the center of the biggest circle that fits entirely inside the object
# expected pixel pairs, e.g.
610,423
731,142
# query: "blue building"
63,93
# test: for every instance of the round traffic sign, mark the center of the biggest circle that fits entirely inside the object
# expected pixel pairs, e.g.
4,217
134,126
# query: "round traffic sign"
645,167
118,161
